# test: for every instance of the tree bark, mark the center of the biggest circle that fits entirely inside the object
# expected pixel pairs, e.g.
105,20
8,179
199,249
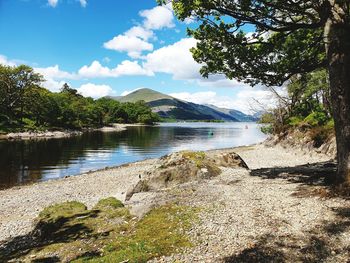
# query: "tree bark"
337,36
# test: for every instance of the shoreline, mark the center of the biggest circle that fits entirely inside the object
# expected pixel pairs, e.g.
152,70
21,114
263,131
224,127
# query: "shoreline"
19,205
33,135
118,166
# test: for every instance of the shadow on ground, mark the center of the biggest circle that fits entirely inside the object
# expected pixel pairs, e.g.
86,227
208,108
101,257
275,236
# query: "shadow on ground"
63,230
318,245
322,173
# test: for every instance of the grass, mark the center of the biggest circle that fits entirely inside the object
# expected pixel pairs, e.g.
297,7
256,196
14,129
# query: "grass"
109,233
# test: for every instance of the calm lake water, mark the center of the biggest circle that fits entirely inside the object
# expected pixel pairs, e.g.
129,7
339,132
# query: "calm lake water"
40,160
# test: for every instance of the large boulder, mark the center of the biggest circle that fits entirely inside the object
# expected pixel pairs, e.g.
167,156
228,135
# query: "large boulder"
186,166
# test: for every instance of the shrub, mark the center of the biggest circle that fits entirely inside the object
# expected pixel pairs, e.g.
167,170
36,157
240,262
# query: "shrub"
316,118
267,129
294,121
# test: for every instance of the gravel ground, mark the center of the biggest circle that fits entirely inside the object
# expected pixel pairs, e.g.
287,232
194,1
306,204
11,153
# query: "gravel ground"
254,219
270,213
20,205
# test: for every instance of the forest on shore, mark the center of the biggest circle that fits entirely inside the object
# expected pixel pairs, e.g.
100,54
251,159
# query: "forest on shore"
27,106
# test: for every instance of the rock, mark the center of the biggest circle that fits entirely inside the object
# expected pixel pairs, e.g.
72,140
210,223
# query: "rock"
183,167
229,160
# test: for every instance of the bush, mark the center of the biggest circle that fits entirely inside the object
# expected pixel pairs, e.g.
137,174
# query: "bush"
316,118
294,121
267,129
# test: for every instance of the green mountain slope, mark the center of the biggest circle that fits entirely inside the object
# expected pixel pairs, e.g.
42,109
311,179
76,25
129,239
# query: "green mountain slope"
172,108
146,95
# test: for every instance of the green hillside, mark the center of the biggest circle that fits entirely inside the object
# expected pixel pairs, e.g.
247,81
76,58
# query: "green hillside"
146,95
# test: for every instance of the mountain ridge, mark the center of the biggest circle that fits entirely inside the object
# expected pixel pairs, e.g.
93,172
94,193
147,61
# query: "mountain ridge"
169,107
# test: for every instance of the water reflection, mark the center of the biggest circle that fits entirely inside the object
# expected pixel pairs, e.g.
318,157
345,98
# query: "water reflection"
30,161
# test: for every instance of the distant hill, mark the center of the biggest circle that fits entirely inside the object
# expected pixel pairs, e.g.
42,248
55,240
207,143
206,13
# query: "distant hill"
240,116
172,108
146,95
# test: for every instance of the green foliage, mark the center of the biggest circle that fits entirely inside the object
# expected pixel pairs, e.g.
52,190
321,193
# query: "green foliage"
27,106
316,118
287,38
108,233
309,107
267,129
294,121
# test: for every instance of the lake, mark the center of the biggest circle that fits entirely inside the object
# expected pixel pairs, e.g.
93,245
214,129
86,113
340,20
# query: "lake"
39,160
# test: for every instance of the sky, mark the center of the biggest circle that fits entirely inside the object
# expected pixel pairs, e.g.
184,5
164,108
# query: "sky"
113,47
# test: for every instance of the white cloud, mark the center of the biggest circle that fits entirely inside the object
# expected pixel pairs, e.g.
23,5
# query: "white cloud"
140,32
5,61
244,100
131,44
175,59
95,91
53,85
158,17
52,3
136,39
220,81
126,68
204,97
54,72
127,92
83,3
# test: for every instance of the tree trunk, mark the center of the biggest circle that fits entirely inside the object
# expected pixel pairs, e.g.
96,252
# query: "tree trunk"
337,34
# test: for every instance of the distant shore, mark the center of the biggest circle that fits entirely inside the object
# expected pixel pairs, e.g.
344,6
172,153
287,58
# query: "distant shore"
30,135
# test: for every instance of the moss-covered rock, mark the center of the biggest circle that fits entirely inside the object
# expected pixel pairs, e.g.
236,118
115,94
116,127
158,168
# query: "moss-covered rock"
109,202
55,212
186,166
106,234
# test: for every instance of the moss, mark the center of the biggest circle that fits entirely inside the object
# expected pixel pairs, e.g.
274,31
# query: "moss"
53,213
161,232
197,157
194,156
108,233
110,202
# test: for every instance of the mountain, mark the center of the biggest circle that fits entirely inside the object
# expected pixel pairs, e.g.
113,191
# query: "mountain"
170,107
240,116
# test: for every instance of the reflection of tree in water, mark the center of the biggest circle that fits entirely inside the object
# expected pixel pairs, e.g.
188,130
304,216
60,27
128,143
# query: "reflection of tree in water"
24,161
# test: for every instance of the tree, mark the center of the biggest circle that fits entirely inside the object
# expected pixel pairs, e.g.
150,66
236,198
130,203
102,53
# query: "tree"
13,83
287,38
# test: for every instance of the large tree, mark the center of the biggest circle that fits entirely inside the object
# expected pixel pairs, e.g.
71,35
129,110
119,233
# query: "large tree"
287,37
13,83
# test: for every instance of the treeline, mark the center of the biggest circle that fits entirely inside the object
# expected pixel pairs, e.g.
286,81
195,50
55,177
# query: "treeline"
26,105
307,106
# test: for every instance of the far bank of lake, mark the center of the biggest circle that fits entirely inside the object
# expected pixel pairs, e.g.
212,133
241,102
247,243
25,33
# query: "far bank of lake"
45,159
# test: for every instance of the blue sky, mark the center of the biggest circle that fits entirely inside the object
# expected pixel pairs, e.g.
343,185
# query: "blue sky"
111,47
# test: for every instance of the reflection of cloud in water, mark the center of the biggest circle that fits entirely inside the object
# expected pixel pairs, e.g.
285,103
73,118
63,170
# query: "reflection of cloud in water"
222,138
